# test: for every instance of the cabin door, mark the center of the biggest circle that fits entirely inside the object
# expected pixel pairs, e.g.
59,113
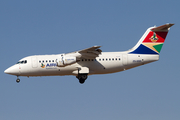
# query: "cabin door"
124,60
34,62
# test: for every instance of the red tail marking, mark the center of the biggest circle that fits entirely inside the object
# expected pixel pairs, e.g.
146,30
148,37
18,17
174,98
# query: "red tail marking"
160,35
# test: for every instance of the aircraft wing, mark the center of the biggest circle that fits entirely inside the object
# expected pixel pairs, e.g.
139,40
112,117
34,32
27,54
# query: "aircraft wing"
91,52
88,53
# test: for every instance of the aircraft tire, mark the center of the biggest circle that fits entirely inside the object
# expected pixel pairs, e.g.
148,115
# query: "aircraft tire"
82,78
17,80
81,81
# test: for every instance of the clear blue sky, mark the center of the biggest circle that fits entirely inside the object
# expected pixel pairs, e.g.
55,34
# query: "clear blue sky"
35,27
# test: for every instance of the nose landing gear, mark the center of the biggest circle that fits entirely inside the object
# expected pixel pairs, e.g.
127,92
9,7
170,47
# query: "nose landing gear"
17,80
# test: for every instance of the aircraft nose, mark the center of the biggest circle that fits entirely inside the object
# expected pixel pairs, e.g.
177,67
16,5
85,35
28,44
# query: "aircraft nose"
7,71
13,70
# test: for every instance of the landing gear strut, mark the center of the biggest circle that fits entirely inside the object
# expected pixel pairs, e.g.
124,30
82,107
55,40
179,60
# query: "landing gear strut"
17,80
82,78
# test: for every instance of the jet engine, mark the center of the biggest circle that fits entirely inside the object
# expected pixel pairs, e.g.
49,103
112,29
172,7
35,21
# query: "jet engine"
65,60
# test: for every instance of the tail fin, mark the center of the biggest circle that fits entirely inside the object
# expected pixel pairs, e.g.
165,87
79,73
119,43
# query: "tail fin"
152,40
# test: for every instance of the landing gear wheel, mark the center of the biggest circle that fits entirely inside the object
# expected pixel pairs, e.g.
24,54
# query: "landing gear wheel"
82,78
17,80
81,81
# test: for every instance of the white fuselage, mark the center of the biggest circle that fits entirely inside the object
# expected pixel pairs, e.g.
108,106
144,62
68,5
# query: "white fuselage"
107,62
92,60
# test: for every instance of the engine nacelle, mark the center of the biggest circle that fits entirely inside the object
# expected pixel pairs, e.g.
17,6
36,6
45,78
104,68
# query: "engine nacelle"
65,60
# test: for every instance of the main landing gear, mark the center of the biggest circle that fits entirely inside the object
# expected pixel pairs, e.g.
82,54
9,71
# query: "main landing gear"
82,78
17,80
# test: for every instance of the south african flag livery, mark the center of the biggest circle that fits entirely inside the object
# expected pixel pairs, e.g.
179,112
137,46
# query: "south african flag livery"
152,43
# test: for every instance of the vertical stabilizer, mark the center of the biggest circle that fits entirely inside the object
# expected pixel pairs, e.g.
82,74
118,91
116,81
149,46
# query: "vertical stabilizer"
152,40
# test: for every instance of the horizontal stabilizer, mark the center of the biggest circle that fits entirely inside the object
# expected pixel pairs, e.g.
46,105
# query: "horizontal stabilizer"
163,27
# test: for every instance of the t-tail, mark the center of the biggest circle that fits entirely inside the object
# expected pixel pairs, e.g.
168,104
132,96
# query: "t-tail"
152,40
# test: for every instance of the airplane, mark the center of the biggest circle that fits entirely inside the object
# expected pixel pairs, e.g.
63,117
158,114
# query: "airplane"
92,60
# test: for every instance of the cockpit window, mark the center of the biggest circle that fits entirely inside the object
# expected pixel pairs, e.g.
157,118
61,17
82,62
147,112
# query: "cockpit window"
18,62
22,62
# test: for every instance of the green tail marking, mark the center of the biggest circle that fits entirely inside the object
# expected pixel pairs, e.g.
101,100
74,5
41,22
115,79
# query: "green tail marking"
158,47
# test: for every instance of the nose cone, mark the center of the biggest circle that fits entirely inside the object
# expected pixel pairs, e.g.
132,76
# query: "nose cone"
7,71
13,70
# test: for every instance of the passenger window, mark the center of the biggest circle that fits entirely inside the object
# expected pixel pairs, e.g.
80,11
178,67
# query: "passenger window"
52,60
116,58
113,59
103,59
119,59
49,60
46,61
43,61
39,61
109,58
82,60
99,59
